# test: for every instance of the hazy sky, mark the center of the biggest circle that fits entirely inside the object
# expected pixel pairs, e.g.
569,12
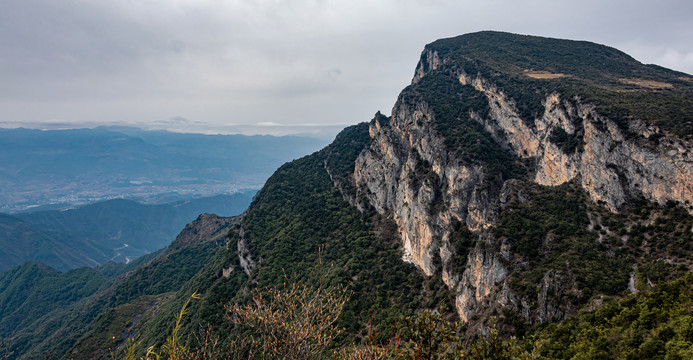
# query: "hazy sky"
273,66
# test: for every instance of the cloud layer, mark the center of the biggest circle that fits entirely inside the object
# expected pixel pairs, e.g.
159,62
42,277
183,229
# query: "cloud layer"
225,64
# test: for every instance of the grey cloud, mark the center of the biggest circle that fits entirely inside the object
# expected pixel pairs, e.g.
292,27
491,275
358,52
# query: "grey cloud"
218,63
334,73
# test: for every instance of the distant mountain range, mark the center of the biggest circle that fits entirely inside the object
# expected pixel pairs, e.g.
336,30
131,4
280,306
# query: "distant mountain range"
58,169
113,230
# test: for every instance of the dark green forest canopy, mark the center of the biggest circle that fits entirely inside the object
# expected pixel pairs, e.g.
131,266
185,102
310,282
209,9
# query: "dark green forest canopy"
621,87
657,324
297,219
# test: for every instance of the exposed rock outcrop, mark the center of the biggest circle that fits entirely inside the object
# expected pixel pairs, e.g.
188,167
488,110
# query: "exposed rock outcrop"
407,172
204,228
245,258
482,283
614,163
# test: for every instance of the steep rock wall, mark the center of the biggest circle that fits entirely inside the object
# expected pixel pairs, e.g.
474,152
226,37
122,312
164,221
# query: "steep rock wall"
614,163
407,173
482,283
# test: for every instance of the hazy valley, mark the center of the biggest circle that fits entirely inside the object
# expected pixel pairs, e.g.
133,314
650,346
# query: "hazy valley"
59,169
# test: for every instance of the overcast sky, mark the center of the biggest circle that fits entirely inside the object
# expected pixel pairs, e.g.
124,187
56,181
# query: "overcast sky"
276,67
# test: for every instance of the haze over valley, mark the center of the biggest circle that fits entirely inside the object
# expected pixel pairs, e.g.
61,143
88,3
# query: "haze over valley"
59,169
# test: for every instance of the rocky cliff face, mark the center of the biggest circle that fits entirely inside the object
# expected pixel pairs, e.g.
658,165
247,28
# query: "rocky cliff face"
501,173
408,173
613,163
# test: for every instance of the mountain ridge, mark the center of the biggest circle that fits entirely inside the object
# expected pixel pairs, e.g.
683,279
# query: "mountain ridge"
48,311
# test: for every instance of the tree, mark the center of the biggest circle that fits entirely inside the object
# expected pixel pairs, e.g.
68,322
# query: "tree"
495,347
431,337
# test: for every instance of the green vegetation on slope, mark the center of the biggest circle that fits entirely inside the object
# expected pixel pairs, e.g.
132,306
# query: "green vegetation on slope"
31,291
570,251
299,211
340,156
547,228
130,295
115,230
292,320
122,230
657,237
657,324
111,326
44,310
113,269
566,252
164,274
620,87
20,242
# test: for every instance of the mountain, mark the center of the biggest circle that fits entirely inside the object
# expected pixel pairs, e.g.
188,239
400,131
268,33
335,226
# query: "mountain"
33,289
650,325
45,311
19,242
114,230
567,161
519,180
58,169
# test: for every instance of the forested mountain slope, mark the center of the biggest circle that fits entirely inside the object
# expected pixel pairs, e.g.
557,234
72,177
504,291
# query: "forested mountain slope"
521,189
45,311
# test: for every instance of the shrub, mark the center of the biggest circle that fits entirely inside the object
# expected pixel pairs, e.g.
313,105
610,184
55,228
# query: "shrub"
294,322
290,322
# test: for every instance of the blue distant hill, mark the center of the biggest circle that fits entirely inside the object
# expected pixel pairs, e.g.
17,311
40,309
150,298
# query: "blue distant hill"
112,230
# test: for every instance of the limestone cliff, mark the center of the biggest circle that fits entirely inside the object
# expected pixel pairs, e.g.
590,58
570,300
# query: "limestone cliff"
407,171
614,163
520,178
